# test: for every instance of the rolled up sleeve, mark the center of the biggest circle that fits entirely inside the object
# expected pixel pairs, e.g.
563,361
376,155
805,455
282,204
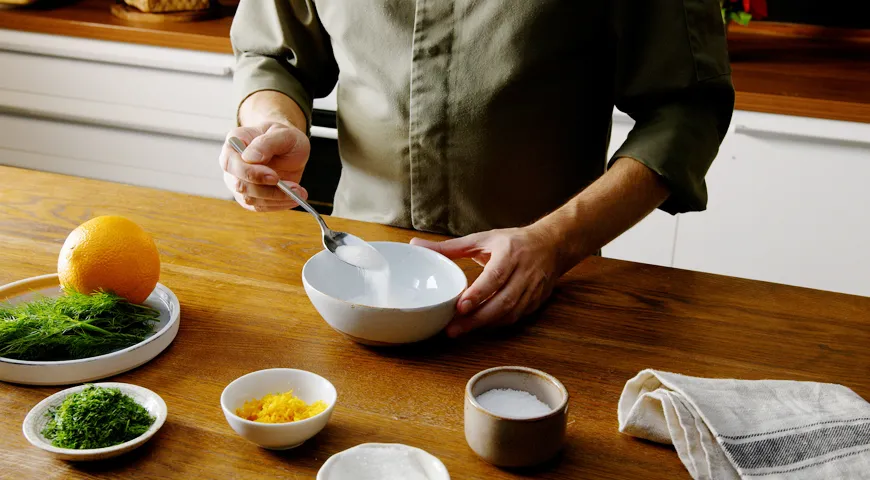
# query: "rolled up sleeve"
673,78
281,45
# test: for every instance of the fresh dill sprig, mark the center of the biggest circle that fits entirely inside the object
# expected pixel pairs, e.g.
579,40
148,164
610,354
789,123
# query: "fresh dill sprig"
96,417
73,326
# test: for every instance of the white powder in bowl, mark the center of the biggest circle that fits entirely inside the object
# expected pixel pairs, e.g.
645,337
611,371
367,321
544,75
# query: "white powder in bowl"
374,271
511,403
379,463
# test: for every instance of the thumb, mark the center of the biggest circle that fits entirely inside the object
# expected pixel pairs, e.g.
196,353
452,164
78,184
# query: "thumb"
276,140
454,248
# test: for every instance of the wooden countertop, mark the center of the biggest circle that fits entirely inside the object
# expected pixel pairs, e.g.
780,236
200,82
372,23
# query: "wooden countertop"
803,71
777,68
237,275
92,19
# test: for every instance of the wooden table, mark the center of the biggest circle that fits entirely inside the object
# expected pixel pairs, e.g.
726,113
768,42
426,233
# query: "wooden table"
237,275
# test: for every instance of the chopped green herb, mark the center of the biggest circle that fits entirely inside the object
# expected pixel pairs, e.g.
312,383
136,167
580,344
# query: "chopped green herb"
96,417
73,326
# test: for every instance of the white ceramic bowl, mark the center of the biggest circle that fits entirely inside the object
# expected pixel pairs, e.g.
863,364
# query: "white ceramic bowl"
308,387
372,460
424,287
35,421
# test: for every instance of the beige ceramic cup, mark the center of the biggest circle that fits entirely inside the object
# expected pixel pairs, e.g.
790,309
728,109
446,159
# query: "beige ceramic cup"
509,442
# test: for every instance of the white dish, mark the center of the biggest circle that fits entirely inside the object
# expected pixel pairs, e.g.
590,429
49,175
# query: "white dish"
308,387
426,283
68,372
377,461
35,421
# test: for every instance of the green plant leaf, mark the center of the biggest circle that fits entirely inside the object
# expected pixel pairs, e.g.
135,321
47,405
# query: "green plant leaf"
742,18
72,326
96,417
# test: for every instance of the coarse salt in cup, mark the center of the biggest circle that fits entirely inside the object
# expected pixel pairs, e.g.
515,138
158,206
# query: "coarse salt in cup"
515,416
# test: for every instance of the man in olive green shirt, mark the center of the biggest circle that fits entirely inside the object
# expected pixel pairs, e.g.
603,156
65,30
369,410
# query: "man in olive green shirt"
488,119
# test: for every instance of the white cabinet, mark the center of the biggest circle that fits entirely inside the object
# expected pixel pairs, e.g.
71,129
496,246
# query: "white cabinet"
788,204
127,113
652,239
169,162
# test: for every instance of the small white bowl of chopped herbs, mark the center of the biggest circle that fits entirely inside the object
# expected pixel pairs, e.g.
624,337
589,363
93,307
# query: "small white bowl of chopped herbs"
95,421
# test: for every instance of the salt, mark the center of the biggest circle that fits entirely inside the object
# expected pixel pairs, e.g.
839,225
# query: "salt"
374,270
376,287
512,403
361,256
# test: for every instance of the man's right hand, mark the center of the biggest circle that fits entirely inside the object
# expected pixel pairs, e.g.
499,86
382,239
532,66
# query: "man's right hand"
274,151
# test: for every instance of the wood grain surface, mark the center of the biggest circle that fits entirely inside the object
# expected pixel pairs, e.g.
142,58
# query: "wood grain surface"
94,19
243,308
801,70
17,2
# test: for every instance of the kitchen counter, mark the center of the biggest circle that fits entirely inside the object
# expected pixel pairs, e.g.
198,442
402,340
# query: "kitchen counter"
777,68
243,308
92,19
802,71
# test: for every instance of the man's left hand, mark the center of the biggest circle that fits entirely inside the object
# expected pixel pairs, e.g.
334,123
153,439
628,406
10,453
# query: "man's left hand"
521,266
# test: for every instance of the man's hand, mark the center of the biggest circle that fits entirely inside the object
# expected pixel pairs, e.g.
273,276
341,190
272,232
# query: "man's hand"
272,127
274,151
521,267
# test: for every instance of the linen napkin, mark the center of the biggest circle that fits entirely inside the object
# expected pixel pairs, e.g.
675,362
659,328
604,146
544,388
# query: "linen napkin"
751,429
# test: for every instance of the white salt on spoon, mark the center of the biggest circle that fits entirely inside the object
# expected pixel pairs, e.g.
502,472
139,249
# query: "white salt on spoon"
361,256
511,403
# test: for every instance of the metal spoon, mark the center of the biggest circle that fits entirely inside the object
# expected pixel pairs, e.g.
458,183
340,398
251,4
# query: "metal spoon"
361,254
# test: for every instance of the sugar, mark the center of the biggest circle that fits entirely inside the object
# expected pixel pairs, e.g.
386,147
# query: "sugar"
378,463
513,403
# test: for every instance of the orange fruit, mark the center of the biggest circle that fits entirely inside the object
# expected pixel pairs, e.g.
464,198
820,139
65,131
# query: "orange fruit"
112,254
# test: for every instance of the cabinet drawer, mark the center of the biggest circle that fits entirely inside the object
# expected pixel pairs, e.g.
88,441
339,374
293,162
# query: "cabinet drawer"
172,163
176,80
181,92
787,205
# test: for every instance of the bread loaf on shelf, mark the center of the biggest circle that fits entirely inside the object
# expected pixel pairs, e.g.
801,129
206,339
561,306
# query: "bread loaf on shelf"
165,6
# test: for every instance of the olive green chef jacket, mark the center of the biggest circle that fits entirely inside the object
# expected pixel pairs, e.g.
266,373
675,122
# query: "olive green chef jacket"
457,116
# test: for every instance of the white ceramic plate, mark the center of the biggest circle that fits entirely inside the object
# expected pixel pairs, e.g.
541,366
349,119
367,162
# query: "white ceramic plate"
376,460
35,421
69,372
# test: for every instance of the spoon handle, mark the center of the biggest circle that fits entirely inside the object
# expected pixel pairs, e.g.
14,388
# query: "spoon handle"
284,187
239,146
